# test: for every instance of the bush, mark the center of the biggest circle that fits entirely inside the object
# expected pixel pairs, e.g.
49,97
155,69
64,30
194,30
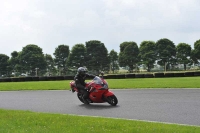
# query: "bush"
159,75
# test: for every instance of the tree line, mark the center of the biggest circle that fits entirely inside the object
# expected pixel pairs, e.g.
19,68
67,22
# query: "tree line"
95,56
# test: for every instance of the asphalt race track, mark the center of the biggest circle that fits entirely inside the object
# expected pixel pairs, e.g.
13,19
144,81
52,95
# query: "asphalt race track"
181,106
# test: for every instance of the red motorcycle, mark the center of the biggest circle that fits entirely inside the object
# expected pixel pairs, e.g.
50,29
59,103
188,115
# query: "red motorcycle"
98,91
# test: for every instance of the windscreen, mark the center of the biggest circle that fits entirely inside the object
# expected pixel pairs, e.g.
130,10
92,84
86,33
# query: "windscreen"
99,81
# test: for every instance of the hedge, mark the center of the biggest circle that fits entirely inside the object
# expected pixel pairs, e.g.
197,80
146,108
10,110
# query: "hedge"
169,74
179,74
159,75
196,73
14,79
150,75
28,79
111,76
139,75
60,78
121,76
132,75
5,79
68,77
188,74
51,78
35,78
22,79
43,78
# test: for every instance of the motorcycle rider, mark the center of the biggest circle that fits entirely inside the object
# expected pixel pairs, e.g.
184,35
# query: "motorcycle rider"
80,82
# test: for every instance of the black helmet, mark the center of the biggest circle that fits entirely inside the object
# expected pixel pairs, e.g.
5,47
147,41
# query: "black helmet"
82,71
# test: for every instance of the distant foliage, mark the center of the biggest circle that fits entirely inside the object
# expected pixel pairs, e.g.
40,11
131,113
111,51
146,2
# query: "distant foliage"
31,61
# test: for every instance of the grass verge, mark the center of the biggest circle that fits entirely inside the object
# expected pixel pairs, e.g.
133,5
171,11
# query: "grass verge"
183,82
25,121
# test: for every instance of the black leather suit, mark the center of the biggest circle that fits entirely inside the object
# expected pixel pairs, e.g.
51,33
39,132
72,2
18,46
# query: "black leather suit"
80,83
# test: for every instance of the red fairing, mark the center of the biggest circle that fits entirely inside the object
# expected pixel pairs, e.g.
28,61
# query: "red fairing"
108,93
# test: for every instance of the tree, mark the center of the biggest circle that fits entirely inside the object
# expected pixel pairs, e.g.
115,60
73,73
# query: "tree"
196,51
193,56
3,64
166,53
14,59
14,62
61,54
123,46
97,56
32,60
51,70
147,54
183,54
128,56
196,44
114,60
77,56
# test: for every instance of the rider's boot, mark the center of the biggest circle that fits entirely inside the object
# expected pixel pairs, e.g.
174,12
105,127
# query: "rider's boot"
85,100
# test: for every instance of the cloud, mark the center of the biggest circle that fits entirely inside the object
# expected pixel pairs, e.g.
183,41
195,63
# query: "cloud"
49,23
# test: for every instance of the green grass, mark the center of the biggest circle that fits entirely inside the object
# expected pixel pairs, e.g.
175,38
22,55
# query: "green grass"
184,82
31,122
26,121
39,85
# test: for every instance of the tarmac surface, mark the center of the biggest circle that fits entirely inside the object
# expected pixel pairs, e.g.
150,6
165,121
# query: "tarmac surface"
179,106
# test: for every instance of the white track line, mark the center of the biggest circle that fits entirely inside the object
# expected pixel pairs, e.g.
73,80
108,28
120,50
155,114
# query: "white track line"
134,120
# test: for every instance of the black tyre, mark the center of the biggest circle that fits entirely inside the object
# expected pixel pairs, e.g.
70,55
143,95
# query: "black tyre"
112,100
80,97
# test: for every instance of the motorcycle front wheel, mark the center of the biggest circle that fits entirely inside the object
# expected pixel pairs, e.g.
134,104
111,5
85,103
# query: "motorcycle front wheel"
79,95
112,100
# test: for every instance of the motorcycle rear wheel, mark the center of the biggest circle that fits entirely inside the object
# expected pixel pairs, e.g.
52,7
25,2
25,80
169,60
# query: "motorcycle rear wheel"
112,100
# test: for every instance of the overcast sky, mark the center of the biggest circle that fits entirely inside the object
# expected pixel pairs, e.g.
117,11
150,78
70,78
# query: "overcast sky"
49,23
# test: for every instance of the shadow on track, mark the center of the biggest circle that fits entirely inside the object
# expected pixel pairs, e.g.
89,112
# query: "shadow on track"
98,106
